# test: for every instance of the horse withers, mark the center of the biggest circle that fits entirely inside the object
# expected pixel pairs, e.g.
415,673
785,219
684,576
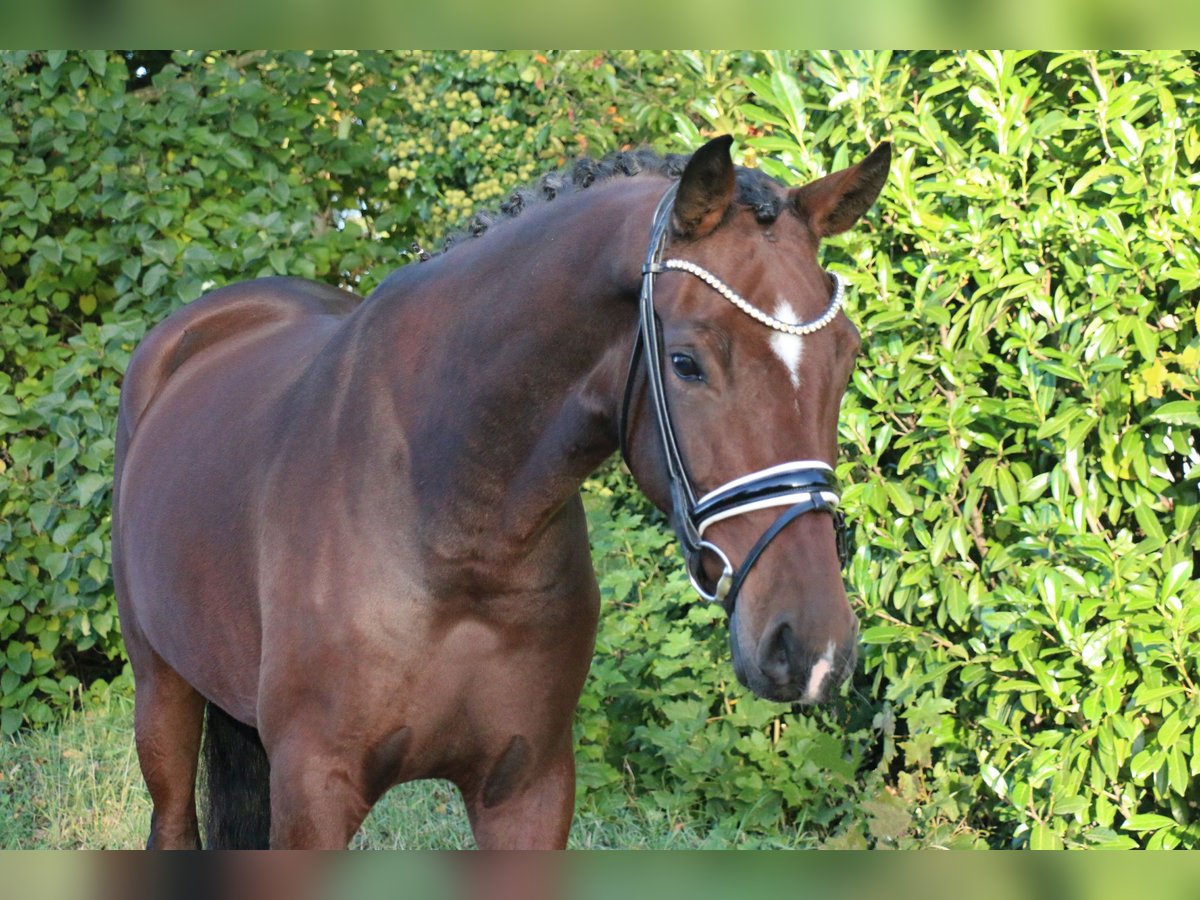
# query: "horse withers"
351,529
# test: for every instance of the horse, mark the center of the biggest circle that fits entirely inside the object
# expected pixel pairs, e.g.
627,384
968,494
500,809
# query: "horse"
348,542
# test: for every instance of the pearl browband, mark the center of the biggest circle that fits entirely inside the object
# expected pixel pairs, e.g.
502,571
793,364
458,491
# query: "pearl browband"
796,328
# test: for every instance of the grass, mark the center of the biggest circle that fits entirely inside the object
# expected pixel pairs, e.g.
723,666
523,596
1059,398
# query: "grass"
77,785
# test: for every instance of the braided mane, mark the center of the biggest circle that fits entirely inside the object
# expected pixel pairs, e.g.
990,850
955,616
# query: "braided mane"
755,190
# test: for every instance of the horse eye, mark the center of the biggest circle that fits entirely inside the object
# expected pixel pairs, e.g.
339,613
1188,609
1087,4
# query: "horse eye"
686,367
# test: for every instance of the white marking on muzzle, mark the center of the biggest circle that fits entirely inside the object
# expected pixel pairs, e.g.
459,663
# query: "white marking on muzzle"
820,670
788,347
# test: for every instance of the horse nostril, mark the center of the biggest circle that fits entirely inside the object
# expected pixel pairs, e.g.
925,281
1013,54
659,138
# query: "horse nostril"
778,653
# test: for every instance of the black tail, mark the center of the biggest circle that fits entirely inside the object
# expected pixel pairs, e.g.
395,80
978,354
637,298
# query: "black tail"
237,776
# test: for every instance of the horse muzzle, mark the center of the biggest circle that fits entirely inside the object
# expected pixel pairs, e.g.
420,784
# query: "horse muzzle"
780,666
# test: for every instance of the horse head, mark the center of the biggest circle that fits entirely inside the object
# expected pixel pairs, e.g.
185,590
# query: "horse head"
730,425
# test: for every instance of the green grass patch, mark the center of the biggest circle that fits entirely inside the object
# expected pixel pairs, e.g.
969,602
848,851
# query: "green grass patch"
76,784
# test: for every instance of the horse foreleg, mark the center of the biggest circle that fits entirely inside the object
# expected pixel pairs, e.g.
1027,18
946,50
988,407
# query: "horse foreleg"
535,815
168,718
318,800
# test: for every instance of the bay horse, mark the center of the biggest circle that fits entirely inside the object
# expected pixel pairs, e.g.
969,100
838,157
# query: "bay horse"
348,541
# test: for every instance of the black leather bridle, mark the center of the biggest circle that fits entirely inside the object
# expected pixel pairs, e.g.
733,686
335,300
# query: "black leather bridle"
802,486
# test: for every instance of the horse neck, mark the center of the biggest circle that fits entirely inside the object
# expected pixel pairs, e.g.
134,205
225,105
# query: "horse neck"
511,363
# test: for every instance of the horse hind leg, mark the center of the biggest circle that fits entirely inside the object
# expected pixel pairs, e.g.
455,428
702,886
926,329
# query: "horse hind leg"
168,717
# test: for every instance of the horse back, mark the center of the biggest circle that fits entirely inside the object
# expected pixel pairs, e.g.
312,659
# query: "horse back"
238,312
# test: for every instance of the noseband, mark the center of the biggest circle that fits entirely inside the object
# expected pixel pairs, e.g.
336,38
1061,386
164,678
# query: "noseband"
802,486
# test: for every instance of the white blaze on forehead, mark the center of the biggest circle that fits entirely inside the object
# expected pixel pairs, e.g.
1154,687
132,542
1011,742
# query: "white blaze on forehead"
788,347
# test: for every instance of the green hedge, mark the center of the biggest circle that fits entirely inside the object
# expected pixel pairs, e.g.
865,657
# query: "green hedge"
1019,437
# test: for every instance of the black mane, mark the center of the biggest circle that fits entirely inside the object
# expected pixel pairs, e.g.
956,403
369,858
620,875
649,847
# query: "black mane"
755,190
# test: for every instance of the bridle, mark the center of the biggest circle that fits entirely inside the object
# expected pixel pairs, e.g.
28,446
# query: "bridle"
802,486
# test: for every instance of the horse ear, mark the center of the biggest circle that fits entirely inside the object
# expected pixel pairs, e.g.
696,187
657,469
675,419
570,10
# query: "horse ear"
705,189
832,204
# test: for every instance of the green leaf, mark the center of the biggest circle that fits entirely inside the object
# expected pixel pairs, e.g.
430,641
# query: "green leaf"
88,485
56,563
884,634
1179,575
20,660
1147,518
1145,339
1107,171
64,195
154,278
10,721
1146,763
245,125
1173,728
1129,136
1043,837
1176,412
239,157
1071,806
1154,695
1177,771
900,498
97,61
279,260
1147,822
